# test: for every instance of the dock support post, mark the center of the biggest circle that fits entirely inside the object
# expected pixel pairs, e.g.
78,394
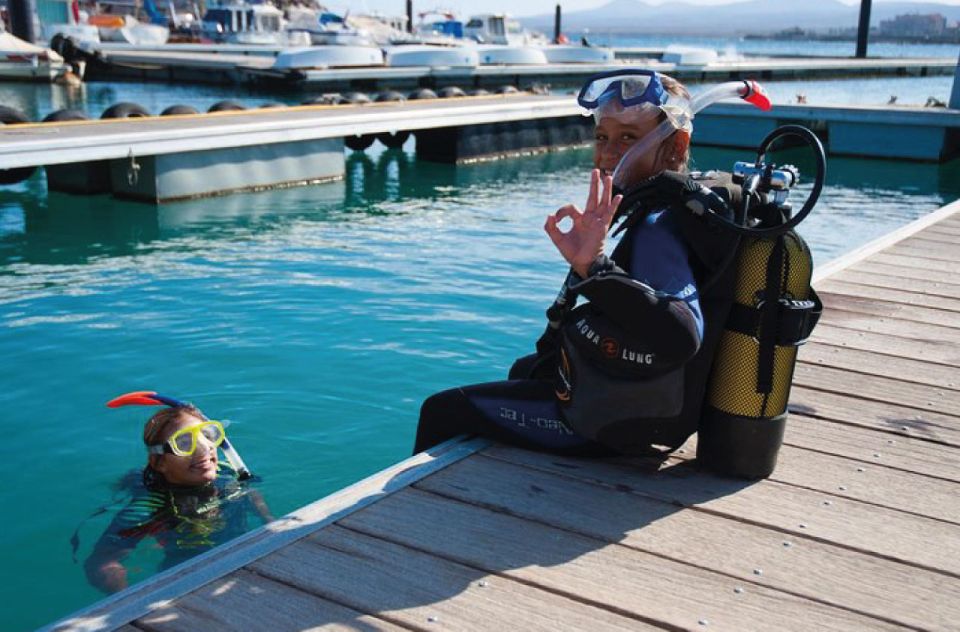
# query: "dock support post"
955,93
863,31
23,19
556,25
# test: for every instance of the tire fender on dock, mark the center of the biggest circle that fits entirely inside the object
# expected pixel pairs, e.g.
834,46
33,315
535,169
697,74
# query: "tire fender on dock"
226,106
393,140
125,110
174,110
12,116
358,143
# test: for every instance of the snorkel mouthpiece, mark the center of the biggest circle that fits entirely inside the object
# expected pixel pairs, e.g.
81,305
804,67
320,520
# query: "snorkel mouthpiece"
152,398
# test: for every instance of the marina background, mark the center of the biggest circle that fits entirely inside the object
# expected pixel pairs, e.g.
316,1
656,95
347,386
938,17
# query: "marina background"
315,318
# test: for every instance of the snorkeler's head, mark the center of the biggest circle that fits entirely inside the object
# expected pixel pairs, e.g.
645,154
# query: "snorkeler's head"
182,446
643,124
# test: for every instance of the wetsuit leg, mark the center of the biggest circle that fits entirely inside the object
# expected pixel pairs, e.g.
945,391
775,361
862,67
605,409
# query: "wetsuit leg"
518,412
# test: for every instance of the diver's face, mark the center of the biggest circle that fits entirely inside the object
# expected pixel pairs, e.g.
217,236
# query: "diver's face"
195,470
614,135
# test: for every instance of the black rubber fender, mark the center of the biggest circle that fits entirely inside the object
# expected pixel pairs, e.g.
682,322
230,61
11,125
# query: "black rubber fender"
125,110
356,98
13,116
65,114
507,90
390,96
226,106
478,92
422,93
451,92
359,143
271,105
332,98
174,110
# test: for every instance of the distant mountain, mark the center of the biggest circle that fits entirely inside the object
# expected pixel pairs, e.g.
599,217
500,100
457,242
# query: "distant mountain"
737,18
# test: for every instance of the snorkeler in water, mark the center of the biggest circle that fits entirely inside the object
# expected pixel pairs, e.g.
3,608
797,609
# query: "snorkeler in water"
188,502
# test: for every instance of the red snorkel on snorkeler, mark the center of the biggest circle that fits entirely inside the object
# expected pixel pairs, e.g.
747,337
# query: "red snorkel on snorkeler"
152,398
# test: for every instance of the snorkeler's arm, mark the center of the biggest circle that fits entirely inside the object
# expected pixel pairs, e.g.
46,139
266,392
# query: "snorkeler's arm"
260,505
661,326
104,567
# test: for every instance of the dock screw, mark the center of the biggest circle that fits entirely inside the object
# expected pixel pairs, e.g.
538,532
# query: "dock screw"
703,622
738,590
889,441
787,545
876,455
758,571
860,469
803,525
482,584
842,488
827,503
432,619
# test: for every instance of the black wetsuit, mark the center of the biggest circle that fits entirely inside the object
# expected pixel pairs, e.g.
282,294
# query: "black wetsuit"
641,323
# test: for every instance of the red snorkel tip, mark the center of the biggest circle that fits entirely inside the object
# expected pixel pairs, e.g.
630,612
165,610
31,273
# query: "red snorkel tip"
136,398
755,95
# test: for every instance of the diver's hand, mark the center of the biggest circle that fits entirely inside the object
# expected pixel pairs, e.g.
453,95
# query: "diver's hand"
111,577
583,243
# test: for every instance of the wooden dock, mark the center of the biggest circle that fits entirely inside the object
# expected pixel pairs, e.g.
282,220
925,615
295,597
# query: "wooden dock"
857,529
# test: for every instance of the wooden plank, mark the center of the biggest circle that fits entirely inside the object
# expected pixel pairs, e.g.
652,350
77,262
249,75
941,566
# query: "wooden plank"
923,264
904,295
416,589
245,601
831,574
932,288
928,249
850,409
908,274
905,369
914,313
892,326
931,352
856,442
653,587
852,478
877,388
868,528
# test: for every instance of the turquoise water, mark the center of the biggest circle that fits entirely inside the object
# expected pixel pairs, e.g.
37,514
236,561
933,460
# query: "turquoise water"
316,318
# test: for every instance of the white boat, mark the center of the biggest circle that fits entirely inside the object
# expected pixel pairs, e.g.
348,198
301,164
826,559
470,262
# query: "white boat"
249,24
64,17
24,61
563,54
492,55
434,56
329,57
325,28
498,28
688,56
128,29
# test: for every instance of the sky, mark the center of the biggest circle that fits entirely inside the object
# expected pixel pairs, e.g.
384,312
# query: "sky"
465,8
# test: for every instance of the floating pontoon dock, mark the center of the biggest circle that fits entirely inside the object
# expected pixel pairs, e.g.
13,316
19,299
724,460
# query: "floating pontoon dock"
857,529
208,64
173,157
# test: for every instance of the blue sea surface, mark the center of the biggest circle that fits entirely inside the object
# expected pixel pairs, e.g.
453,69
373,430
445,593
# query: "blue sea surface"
315,318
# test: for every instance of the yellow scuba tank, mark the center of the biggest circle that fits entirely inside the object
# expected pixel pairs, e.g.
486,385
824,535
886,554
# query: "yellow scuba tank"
773,312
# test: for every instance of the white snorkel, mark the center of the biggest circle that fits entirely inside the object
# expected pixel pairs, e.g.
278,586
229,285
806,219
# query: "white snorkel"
679,117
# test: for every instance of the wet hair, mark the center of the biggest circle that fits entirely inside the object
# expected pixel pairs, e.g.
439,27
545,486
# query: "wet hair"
153,429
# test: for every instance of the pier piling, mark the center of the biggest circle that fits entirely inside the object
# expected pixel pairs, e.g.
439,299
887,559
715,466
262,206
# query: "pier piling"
863,31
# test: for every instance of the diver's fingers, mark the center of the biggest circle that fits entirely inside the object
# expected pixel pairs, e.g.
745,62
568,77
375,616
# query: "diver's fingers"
611,209
607,190
569,210
593,196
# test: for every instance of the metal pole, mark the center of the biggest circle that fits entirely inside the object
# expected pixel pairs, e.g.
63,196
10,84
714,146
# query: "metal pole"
955,94
23,19
409,16
556,25
863,31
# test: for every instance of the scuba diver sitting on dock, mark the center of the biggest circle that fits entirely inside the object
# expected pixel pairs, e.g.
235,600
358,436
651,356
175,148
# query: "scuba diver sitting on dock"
189,501
626,371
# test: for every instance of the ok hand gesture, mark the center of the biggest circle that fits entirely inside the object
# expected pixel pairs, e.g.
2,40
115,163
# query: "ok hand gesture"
583,243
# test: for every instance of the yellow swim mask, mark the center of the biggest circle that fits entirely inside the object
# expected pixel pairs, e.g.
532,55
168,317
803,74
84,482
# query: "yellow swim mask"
184,441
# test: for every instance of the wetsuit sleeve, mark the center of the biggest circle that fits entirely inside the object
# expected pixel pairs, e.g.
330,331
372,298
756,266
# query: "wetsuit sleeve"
646,321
